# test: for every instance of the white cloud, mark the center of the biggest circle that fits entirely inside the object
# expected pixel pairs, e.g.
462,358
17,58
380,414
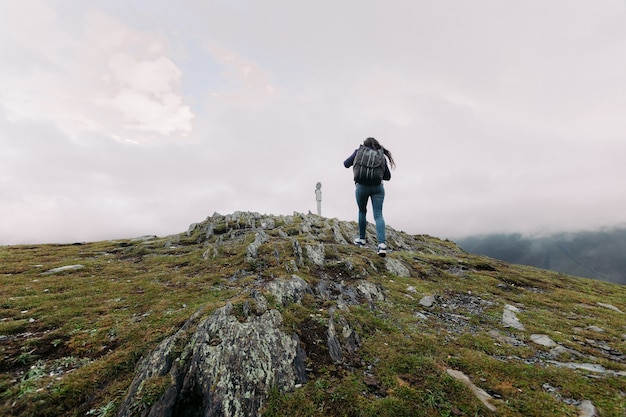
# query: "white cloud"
75,72
144,95
502,116
144,112
154,76
244,82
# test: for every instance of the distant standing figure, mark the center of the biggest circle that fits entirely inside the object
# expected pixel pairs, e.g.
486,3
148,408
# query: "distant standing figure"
318,197
370,168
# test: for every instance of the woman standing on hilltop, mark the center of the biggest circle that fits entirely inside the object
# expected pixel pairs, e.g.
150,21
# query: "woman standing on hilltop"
370,168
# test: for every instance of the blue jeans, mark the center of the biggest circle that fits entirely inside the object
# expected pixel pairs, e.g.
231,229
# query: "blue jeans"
377,194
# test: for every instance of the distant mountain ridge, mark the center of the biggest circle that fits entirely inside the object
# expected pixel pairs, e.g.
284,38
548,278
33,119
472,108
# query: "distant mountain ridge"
599,254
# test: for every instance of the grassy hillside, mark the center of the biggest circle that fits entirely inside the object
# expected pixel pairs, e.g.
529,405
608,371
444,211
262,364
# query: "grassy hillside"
431,314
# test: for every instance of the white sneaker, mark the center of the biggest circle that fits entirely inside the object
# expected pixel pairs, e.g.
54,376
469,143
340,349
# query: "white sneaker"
359,242
382,250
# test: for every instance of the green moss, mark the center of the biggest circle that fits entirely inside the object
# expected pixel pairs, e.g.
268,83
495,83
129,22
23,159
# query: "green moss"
97,322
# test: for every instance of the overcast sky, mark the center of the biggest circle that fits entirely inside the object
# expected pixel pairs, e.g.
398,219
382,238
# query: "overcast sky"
124,118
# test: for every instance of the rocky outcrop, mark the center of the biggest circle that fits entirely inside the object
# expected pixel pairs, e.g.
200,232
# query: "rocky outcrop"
226,362
225,368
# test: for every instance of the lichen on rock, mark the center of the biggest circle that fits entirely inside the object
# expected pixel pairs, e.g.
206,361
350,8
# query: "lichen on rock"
226,367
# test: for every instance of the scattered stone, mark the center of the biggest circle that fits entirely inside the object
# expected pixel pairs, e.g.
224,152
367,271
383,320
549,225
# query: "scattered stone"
478,392
560,350
543,340
63,269
420,316
509,319
595,329
505,339
512,308
397,268
556,393
412,289
591,367
551,389
587,409
610,307
428,300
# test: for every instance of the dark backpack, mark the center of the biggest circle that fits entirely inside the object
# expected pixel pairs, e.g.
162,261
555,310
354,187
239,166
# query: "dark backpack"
369,166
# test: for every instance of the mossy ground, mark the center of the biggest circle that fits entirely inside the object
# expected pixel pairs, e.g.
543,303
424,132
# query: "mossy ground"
70,341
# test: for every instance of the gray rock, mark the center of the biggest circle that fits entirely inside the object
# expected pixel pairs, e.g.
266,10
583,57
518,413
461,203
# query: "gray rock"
595,329
420,316
505,339
289,291
560,351
268,223
370,291
587,409
483,396
316,254
610,307
63,269
591,367
428,300
509,319
225,368
542,339
192,227
334,346
297,253
338,236
396,267
253,248
259,300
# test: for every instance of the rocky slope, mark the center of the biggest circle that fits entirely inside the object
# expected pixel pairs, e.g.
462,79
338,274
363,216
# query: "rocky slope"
291,319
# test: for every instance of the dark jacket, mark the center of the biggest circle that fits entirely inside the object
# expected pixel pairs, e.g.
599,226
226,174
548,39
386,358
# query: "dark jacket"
350,161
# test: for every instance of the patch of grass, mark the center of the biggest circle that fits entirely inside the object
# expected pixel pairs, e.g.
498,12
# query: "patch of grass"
104,317
71,341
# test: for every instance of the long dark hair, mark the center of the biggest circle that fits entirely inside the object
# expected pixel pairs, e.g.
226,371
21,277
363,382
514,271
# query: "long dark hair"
374,144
